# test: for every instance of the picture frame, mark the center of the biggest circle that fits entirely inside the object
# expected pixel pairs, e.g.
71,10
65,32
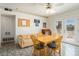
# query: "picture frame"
36,21
23,22
44,25
59,26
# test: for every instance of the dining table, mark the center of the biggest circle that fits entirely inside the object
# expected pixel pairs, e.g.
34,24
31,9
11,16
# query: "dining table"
46,39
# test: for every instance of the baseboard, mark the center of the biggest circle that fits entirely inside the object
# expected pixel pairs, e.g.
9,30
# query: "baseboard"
71,43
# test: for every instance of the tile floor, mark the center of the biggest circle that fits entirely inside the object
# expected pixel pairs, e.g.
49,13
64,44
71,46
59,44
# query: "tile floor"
70,50
13,50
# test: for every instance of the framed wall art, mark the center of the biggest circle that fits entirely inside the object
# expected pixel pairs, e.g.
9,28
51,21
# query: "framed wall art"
44,25
19,22
23,23
36,21
59,26
27,23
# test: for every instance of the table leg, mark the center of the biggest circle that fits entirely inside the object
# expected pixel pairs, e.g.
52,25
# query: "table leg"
46,51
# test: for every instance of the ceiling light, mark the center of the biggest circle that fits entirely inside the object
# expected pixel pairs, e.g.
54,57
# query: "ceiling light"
49,9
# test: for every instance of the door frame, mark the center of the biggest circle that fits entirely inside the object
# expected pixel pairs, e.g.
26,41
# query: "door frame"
14,26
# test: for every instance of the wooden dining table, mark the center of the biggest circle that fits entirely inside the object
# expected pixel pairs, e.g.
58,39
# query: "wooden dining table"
47,39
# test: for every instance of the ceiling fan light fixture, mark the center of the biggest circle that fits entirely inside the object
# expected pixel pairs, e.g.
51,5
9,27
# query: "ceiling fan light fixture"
49,9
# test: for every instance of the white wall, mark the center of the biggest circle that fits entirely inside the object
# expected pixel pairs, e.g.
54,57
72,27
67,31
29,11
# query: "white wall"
52,19
32,28
63,16
26,30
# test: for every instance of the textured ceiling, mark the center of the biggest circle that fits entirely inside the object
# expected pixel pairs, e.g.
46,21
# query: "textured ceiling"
39,8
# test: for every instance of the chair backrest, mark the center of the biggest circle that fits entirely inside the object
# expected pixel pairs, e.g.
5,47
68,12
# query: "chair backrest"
48,31
40,34
34,40
58,42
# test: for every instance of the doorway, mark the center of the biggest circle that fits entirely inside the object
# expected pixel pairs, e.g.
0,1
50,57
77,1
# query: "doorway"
7,29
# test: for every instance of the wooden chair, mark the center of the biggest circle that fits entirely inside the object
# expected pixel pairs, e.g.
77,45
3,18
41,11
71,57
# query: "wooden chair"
58,46
40,34
38,47
35,41
56,49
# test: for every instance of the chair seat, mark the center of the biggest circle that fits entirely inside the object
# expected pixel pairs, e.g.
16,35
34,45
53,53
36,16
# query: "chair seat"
39,46
52,45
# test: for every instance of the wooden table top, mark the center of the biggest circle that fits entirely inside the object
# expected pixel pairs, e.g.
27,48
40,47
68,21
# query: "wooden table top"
45,39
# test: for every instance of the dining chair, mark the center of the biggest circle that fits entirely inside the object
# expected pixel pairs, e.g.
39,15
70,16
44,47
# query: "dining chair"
38,46
56,46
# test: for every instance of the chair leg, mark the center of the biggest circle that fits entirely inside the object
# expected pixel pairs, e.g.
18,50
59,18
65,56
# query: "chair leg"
54,53
59,52
41,52
34,52
38,52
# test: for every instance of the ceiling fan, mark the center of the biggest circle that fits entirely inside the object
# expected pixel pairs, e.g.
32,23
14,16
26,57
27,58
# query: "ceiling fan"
49,8
48,5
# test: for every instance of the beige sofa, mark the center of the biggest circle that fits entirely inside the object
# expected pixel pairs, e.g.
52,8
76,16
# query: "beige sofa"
24,40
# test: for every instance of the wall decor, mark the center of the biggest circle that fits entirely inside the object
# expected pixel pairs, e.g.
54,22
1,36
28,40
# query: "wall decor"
23,23
36,21
37,24
59,26
19,22
27,23
70,25
44,24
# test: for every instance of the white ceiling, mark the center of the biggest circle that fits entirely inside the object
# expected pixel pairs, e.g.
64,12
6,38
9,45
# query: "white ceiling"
39,8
